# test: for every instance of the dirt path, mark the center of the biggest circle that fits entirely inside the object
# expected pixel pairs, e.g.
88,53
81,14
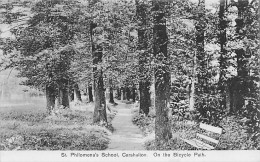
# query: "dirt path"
126,136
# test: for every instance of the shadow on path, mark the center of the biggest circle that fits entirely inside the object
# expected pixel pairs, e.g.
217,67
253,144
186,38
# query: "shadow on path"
126,136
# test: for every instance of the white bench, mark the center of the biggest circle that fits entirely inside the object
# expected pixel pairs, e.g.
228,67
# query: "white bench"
198,140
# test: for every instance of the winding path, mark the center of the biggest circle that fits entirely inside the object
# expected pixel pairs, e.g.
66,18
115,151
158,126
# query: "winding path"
126,136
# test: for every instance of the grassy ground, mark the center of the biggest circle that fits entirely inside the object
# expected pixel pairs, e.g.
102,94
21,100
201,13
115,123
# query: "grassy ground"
234,135
27,127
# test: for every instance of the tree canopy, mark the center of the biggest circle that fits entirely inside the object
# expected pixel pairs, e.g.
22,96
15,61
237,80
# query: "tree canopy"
207,56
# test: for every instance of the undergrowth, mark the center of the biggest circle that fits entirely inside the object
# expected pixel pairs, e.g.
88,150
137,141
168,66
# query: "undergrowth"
29,128
234,137
47,138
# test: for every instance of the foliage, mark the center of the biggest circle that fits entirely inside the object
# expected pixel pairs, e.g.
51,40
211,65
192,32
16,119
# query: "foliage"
251,114
26,127
247,40
145,123
24,116
51,43
235,135
209,109
172,144
42,46
181,110
63,139
47,37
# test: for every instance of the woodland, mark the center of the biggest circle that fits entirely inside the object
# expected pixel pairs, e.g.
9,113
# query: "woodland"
174,63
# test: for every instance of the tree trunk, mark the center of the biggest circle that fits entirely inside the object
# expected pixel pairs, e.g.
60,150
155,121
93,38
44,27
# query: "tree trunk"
133,93
100,102
111,95
242,71
222,41
50,97
64,97
192,95
100,115
111,91
128,93
145,99
232,90
228,97
100,105
162,76
87,97
77,93
118,93
90,95
58,99
192,87
144,76
201,55
71,94
138,95
124,93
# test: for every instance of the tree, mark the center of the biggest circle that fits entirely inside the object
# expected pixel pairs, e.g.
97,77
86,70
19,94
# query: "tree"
77,93
245,85
242,72
133,93
182,49
46,42
240,83
128,93
71,93
63,66
223,87
100,101
161,74
207,100
201,57
90,95
144,61
192,85
118,93
111,93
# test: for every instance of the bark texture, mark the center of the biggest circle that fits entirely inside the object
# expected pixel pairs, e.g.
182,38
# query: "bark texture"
50,97
100,102
77,93
145,99
222,42
162,76
111,95
201,55
90,95
133,94
240,88
71,94
128,93
144,76
64,97
124,93
118,94
192,85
